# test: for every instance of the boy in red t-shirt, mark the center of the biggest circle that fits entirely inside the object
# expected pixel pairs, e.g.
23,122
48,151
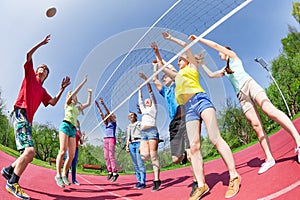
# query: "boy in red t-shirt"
31,95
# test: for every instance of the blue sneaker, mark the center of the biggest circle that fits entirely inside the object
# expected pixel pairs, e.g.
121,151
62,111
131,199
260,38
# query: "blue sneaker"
142,186
137,185
5,174
16,190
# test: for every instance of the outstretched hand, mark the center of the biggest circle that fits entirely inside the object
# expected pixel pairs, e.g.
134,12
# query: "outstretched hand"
46,40
65,82
101,101
143,76
85,78
166,35
192,37
154,46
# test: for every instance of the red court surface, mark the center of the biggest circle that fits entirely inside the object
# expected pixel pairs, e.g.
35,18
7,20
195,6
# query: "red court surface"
280,182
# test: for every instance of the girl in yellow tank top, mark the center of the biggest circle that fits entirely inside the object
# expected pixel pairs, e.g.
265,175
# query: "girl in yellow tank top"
198,108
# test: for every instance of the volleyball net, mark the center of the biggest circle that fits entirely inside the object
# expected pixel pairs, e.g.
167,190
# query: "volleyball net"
113,66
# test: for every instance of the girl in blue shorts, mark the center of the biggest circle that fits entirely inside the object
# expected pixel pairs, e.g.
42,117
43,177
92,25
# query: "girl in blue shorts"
150,136
198,108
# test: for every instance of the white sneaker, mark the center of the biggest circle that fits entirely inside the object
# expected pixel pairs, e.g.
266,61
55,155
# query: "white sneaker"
297,150
266,166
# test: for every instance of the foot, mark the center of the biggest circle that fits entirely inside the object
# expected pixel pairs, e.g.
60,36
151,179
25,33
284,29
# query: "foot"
16,190
194,187
59,181
199,192
76,183
65,180
109,176
234,187
156,185
5,174
114,177
185,159
137,185
142,186
266,166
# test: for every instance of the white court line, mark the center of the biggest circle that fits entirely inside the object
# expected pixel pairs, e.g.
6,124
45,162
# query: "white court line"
114,194
281,192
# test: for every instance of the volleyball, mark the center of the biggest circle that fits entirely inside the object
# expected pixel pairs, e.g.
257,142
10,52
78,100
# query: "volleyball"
51,12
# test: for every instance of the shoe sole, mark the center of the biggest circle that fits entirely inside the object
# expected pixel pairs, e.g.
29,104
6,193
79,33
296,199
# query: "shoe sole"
11,192
227,197
61,186
266,169
204,193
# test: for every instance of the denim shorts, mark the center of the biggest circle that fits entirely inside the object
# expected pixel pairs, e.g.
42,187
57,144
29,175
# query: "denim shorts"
196,105
68,129
150,133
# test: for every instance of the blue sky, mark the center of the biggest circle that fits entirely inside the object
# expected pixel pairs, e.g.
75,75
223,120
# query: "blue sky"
79,26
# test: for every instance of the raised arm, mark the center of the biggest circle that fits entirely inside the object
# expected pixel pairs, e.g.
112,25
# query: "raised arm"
171,73
77,89
88,103
31,51
215,46
100,111
105,107
140,101
189,53
65,82
143,76
155,79
152,97
215,74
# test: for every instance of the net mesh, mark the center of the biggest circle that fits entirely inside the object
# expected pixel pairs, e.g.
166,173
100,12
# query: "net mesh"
116,80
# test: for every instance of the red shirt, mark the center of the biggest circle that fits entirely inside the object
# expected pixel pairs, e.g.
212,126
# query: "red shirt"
31,93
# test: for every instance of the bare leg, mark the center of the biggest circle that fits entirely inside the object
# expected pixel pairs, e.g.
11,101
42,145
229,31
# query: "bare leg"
210,119
278,116
255,121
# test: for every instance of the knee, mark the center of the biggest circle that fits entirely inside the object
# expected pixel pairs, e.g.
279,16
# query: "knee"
29,153
145,156
194,148
154,156
175,159
62,153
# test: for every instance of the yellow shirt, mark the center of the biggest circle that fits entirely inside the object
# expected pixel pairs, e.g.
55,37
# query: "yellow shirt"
71,113
187,84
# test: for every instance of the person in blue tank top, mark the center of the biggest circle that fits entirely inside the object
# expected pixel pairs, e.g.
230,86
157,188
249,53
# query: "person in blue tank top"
250,93
109,141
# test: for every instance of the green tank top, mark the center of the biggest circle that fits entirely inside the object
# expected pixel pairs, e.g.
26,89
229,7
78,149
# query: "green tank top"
71,113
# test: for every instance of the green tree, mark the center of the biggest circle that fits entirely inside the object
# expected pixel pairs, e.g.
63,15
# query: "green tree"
291,43
46,141
286,71
296,11
235,128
